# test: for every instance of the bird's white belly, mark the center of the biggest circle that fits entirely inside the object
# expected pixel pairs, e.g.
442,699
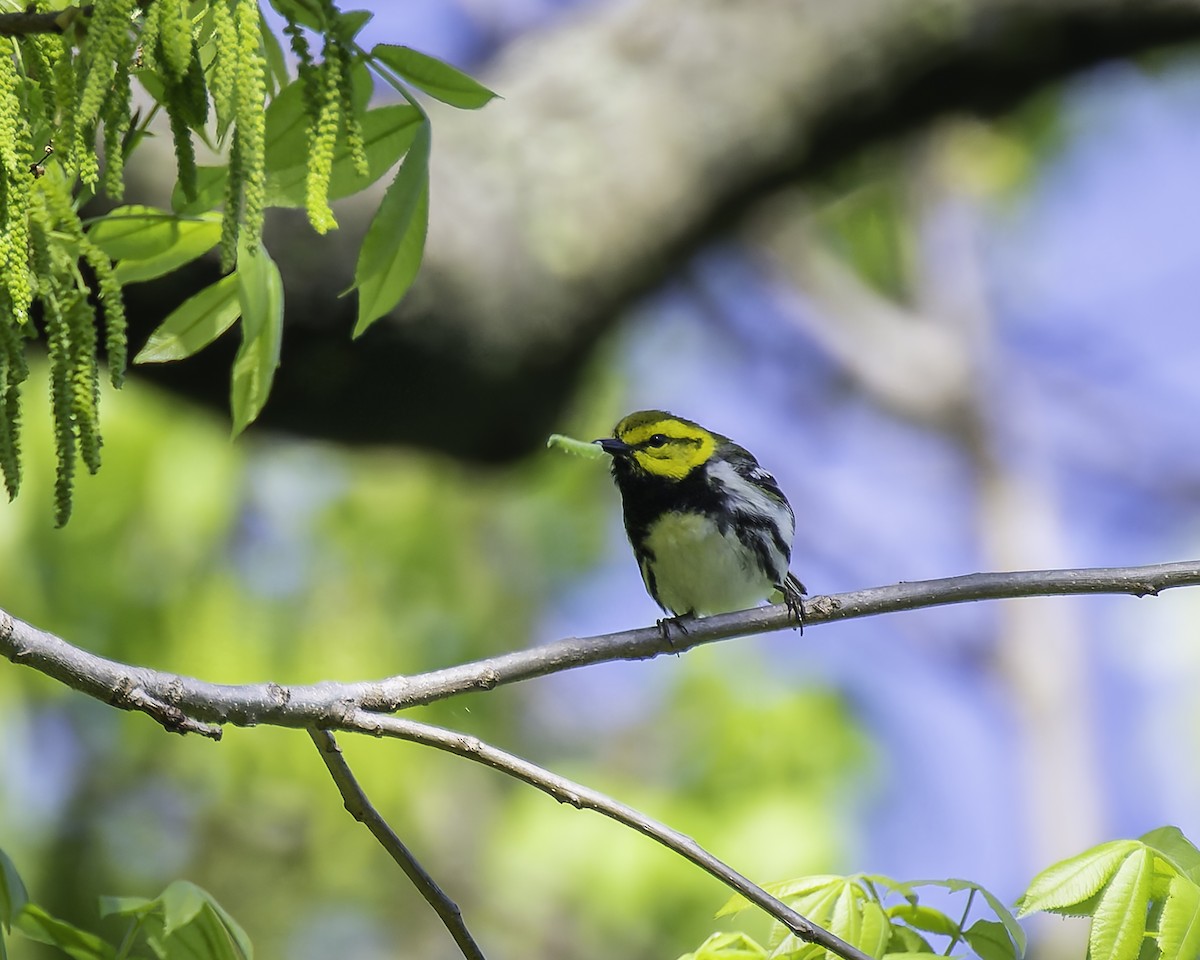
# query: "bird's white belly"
698,569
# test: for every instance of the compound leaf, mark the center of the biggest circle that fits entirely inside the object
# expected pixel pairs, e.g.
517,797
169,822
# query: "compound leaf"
1176,849
1071,882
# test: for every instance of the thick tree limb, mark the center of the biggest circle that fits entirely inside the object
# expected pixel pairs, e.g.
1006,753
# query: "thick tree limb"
361,808
25,22
631,133
585,798
328,705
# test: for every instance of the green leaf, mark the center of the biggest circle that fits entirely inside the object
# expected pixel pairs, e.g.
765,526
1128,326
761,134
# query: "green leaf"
38,925
991,941
126,906
924,918
1119,923
864,924
918,955
727,946
308,13
1179,925
907,940
388,132
181,902
1176,849
896,886
195,323
210,191
137,232
818,906
1071,882
395,242
260,293
13,895
150,242
438,79
783,890
203,931
350,23
1003,914
285,131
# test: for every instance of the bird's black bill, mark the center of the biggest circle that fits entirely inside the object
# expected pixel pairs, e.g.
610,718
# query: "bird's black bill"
614,447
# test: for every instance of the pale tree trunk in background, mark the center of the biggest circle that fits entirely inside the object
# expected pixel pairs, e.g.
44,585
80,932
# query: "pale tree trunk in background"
937,365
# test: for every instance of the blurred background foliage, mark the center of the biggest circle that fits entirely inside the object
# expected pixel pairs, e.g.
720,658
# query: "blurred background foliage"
974,347
283,560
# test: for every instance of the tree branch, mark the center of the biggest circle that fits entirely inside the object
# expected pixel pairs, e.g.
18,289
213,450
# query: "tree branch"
184,704
26,22
585,798
365,813
328,705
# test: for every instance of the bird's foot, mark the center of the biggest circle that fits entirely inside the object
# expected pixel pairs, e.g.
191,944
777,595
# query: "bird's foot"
679,623
793,597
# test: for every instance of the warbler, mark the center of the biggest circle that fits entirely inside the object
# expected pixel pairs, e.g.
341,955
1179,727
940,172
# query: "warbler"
710,528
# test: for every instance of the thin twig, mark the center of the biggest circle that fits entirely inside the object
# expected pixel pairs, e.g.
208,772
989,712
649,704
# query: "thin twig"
181,703
365,813
326,704
585,798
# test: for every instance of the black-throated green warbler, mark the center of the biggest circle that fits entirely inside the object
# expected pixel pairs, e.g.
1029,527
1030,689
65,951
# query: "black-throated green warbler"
710,528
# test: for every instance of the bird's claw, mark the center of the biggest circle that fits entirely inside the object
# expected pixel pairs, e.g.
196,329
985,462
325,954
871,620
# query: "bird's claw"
667,624
795,606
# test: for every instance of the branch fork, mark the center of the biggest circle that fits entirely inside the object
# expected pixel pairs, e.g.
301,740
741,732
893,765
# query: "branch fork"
187,705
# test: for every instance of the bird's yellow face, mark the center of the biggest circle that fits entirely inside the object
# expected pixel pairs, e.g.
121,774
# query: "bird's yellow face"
662,445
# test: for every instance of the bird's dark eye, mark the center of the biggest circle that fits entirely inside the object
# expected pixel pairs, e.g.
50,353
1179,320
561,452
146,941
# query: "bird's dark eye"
657,440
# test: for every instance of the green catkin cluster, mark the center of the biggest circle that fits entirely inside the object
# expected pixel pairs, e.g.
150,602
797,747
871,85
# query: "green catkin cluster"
58,345
148,39
251,94
116,117
329,100
307,69
224,71
185,152
40,52
108,35
85,380
173,31
71,330
233,205
354,132
16,287
13,371
322,141
112,303
168,46
66,221
15,181
245,189
66,99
